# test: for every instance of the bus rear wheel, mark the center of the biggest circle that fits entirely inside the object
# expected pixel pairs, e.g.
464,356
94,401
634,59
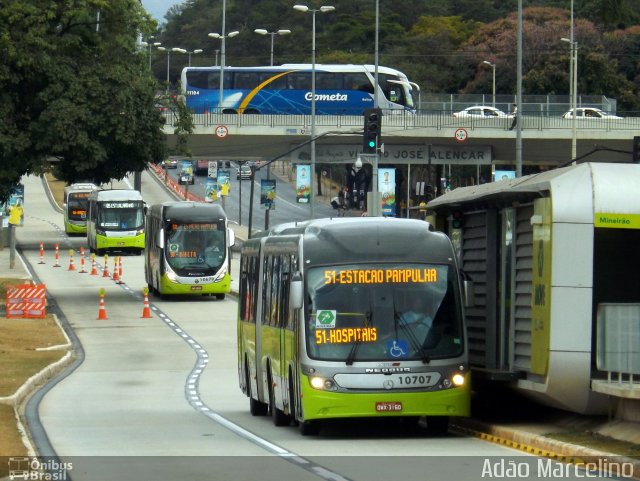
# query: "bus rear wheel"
220,297
278,416
256,408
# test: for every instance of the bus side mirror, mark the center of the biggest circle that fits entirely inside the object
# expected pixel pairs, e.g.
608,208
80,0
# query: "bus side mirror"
469,293
296,294
232,237
160,239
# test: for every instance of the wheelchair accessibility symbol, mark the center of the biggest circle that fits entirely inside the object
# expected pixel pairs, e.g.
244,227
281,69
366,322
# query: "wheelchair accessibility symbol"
397,348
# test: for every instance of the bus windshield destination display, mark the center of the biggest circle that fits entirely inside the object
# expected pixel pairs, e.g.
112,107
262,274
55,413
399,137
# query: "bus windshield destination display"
347,335
121,205
194,227
381,276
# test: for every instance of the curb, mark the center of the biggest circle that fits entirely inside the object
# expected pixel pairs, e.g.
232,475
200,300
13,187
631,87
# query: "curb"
539,445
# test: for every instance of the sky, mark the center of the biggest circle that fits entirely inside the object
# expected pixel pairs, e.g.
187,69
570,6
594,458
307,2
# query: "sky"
157,8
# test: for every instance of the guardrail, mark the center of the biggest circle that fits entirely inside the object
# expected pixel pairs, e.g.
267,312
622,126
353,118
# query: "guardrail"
409,121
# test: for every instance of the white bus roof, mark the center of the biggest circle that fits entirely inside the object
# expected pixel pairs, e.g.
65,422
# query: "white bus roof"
307,66
82,186
116,194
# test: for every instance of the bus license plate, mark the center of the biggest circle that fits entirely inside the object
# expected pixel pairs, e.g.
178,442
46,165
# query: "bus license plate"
196,288
383,407
119,243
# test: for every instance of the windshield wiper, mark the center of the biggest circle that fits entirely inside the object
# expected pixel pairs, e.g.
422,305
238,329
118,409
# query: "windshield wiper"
356,344
424,357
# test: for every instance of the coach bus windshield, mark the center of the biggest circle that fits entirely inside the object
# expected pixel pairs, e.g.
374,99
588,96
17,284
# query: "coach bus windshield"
77,205
382,312
192,247
121,215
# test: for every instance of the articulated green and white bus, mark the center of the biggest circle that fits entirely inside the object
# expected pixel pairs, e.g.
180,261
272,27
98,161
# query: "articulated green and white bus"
188,249
76,207
350,318
116,221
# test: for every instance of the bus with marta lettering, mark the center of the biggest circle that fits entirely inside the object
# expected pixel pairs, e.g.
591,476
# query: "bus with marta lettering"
116,221
188,249
338,319
287,89
76,207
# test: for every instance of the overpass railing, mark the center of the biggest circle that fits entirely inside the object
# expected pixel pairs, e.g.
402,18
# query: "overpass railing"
408,120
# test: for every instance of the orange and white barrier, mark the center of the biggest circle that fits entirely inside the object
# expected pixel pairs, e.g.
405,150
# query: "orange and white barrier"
26,301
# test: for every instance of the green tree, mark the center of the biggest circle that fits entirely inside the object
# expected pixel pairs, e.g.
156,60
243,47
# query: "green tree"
76,90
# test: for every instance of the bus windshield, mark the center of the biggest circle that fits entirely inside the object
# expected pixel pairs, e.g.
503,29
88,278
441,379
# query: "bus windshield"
77,205
382,312
121,215
192,247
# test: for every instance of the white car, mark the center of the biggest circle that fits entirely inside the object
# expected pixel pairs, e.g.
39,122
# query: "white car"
590,113
482,112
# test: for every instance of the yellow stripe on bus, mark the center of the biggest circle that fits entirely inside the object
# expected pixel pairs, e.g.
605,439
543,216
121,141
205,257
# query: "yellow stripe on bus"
250,95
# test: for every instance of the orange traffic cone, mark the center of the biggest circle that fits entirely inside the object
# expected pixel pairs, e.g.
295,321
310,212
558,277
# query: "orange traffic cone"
82,269
102,313
72,267
146,310
94,268
116,275
120,268
105,270
57,264
41,253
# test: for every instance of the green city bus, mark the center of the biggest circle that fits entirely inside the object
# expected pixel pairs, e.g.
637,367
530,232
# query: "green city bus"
116,221
76,207
188,249
323,326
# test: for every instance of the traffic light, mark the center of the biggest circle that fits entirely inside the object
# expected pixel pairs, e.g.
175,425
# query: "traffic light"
372,130
636,150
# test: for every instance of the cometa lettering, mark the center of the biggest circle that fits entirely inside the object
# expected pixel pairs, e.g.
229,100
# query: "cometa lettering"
327,97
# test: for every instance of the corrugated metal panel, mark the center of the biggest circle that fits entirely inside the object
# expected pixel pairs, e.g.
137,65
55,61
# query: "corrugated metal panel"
521,336
474,256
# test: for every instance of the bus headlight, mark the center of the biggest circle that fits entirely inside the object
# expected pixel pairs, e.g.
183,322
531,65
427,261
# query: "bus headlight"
458,379
322,383
172,276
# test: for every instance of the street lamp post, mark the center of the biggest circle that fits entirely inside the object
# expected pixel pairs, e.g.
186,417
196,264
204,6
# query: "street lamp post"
196,51
262,31
150,45
222,59
493,89
573,82
323,9
169,50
